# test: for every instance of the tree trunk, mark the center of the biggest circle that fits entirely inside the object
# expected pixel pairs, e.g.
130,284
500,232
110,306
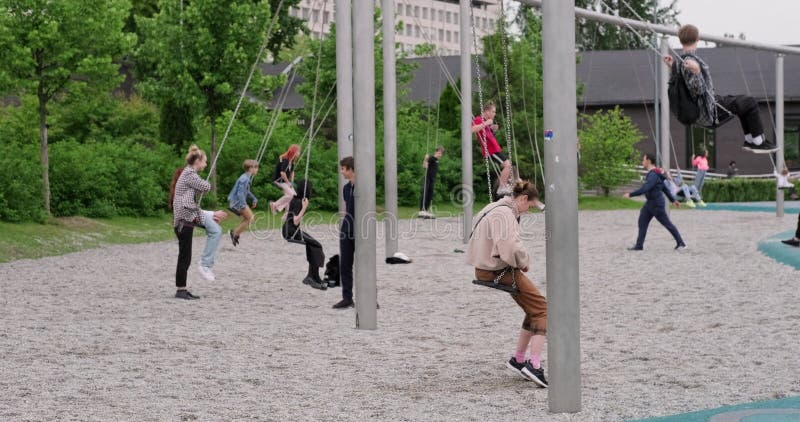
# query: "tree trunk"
211,159
45,154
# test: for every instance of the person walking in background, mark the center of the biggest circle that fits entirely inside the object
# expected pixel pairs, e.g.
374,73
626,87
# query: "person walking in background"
347,238
653,189
186,185
784,184
237,199
732,170
283,177
431,166
497,253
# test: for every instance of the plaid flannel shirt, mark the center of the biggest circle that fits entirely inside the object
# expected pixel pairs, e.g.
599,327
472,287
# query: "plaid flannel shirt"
184,205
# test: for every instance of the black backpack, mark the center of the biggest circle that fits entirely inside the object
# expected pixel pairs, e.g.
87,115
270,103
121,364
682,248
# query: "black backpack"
681,102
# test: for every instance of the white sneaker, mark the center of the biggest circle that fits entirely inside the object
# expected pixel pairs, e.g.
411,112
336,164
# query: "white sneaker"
206,273
425,214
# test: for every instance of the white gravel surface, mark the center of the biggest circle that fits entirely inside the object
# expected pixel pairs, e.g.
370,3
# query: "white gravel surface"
98,336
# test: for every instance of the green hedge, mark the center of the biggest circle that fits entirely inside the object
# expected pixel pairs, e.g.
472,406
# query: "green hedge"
739,190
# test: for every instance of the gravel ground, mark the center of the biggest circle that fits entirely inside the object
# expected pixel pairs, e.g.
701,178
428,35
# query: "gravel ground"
97,335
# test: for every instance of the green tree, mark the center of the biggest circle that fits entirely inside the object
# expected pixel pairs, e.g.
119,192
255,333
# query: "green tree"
52,47
607,140
592,35
199,58
325,79
524,95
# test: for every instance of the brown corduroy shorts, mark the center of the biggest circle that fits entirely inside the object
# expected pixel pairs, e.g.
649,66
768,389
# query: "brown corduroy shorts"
529,299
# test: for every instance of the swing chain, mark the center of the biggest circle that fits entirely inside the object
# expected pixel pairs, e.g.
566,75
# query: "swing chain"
483,141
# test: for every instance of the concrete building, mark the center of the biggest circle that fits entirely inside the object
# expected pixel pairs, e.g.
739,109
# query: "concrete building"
424,21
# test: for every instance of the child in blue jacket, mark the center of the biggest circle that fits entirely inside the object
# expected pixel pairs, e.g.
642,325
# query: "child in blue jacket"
238,199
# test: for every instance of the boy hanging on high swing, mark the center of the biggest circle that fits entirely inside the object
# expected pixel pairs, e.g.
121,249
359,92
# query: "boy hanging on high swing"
714,110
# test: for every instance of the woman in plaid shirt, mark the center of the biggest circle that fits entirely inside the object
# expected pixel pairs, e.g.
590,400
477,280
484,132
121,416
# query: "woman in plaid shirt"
186,184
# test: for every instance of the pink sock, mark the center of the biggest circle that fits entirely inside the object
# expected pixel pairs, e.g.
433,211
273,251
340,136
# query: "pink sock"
520,357
535,361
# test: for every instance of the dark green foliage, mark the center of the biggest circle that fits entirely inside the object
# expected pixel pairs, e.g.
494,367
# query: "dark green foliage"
592,35
105,180
607,140
21,182
739,190
177,125
102,118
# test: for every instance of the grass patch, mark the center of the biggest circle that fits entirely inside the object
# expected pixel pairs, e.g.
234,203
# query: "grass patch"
72,234
602,203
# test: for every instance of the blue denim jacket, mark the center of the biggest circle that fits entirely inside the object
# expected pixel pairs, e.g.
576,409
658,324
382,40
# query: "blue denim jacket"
241,192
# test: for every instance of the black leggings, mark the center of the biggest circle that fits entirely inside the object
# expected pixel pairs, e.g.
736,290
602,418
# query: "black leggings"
184,254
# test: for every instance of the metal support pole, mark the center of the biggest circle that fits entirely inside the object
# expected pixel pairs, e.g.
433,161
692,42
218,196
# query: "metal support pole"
364,156
344,88
561,223
663,122
467,195
656,101
389,129
779,128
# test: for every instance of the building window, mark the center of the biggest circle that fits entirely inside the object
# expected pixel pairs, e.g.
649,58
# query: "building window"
456,37
441,16
448,15
315,17
441,35
408,10
408,30
455,17
416,11
416,31
424,13
305,13
326,16
449,36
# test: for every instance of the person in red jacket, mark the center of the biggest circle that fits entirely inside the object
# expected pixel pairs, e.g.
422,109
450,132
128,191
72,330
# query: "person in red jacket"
483,126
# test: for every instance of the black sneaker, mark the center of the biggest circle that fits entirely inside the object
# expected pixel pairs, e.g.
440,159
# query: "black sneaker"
185,294
534,374
516,367
765,147
234,239
635,248
317,284
792,242
344,303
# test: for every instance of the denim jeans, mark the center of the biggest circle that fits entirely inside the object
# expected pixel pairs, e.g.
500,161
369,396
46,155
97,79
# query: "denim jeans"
213,234
698,182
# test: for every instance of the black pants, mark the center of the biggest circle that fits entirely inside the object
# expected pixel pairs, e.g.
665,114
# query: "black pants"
650,210
184,236
314,254
797,232
427,194
347,247
745,108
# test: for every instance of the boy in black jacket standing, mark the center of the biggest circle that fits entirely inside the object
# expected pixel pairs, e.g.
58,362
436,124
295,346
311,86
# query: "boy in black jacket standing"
655,205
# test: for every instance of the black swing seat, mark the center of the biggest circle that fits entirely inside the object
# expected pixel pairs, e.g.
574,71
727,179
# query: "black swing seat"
498,286
762,151
298,241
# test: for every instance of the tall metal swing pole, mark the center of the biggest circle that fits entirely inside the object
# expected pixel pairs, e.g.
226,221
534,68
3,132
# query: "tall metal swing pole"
467,195
663,117
779,128
364,269
344,87
389,129
561,224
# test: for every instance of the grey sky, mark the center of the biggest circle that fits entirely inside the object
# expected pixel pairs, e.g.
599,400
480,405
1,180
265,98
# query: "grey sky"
768,21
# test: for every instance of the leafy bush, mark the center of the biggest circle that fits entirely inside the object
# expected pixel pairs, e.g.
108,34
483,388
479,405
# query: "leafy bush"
21,183
607,153
108,179
739,190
